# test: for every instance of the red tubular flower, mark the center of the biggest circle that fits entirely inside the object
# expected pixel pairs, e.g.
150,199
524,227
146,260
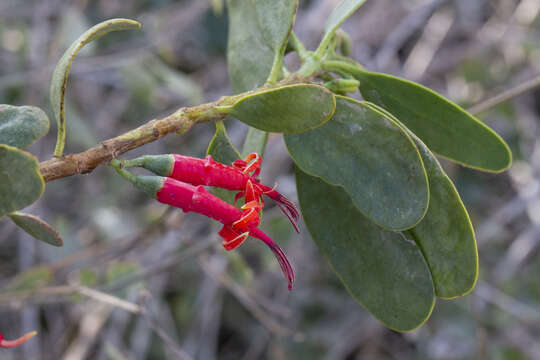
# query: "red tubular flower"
239,176
13,343
237,224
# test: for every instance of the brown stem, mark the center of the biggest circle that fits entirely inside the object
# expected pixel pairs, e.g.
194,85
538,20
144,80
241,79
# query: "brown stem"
86,161
179,122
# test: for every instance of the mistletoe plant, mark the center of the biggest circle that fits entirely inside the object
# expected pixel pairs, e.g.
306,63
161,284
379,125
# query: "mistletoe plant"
372,194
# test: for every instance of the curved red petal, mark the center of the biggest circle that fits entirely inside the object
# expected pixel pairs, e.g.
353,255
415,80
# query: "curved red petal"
13,343
284,263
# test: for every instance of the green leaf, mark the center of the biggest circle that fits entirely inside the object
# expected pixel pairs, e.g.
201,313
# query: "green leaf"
36,227
21,126
217,7
276,18
61,72
258,33
221,148
443,126
249,57
287,109
372,158
255,142
382,270
445,235
340,13
20,180
223,151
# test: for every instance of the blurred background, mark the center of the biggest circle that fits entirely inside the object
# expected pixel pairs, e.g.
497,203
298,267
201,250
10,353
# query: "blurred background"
177,293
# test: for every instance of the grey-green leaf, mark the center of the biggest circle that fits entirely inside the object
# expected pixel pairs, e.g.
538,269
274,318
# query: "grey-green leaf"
340,13
445,235
255,142
382,270
372,158
61,72
287,109
21,126
222,150
443,126
20,180
276,18
249,57
36,227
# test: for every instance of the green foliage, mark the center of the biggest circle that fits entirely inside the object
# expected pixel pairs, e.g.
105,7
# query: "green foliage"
21,126
20,180
365,169
443,126
221,147
31,279
286,109
255,142
372,158
382,270
223,151
249,58
340,13
119,270
36,227
255,30
445,235
275,20
61,72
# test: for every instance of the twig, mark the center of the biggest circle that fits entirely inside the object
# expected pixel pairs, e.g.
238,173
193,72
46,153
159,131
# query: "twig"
167,263
68,290
410,25
505,95
179,122
109,299
179,353
91,324
247,301
161,333
107,251
85,162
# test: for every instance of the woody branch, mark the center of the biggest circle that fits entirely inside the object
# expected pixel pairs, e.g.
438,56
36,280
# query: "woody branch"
85,162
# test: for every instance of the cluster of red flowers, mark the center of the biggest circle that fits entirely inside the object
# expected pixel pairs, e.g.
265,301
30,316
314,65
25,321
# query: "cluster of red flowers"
181,182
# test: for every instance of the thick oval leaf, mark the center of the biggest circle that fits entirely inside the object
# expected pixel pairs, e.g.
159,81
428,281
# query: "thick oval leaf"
370,156
249,58
276,18
61,72
36,227
20,181
21,126
443,126
222,150
255,142
445,235
340,13
382,270
287,109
